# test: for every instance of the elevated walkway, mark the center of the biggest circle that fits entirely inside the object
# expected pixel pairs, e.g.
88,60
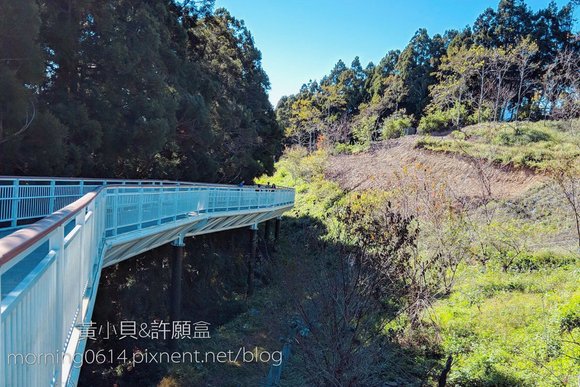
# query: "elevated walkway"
58,234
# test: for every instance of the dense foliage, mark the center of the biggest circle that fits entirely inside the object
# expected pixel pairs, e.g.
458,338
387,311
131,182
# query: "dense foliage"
489,288
157,89
512,64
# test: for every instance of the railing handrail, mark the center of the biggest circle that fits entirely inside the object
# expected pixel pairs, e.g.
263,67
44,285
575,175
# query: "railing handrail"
127,182
130,181
19,241
49,178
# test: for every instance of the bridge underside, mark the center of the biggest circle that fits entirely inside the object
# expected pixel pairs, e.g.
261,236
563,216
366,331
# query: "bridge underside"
137,242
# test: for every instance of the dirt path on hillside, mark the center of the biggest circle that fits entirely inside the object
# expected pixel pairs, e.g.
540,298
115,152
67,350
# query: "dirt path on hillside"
379,167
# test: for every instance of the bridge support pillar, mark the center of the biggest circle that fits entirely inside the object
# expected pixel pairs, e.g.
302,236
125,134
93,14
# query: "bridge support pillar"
267,231
277,228
252,257
176,278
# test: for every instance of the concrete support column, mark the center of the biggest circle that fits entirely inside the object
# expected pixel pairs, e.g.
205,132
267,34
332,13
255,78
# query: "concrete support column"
176,278
277,228
252,257
267,231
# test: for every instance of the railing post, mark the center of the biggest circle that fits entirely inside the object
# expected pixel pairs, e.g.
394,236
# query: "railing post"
140,206
177,195
115,209
56,243
80,220
15,202
52,199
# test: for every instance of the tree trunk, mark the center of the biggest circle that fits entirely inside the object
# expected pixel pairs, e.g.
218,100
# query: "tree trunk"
481,95
519,95
445,372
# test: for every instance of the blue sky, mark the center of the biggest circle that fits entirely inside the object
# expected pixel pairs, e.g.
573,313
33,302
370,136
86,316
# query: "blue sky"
303,39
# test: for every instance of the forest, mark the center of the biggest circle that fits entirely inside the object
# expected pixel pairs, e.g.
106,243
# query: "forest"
511,64
146,89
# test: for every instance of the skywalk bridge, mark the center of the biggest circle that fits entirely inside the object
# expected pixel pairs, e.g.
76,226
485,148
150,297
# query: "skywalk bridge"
56,235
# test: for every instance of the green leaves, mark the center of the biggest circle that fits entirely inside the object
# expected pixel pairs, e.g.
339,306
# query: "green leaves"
133,89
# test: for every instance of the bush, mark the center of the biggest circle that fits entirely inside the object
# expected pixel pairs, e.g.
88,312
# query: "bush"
364,128
520,135
570,314
485,115
458,135
540,260
350,149
434,122
394,126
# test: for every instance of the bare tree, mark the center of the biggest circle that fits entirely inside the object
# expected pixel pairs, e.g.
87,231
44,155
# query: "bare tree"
566,176
524,54
28,119
350,304
338,131
441,218
500,63
561,86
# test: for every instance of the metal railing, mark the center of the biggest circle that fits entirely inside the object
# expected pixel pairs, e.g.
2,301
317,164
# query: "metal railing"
26,198
50,270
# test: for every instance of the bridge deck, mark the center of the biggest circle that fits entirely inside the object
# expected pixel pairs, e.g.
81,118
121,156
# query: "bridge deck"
50,269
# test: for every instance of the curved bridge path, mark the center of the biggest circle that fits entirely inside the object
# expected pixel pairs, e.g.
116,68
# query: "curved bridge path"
56,235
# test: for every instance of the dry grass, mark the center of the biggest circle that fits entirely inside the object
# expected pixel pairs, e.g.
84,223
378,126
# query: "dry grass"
379,167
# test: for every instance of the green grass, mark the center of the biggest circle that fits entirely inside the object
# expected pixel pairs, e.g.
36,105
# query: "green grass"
522,144
507,328
516,327
315,196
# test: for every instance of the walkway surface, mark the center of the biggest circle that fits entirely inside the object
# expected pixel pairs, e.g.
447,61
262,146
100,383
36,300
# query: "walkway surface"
56,235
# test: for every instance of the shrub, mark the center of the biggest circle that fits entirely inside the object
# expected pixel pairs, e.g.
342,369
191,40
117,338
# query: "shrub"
434,122
458,135
485,115
350,149
520,135
541,259
570,314
364,128
394,126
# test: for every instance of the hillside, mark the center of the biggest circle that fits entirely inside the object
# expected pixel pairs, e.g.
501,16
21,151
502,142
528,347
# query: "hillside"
380,168
511,312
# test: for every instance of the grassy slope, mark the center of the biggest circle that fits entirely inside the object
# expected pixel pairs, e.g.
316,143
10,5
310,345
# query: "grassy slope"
506,328
521,144
503,327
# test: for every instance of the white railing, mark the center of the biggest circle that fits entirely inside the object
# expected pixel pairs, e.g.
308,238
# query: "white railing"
25,198
53,266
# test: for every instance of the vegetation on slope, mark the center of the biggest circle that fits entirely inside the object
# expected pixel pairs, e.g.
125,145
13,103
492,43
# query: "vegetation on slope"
534,145
513,328
510,313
